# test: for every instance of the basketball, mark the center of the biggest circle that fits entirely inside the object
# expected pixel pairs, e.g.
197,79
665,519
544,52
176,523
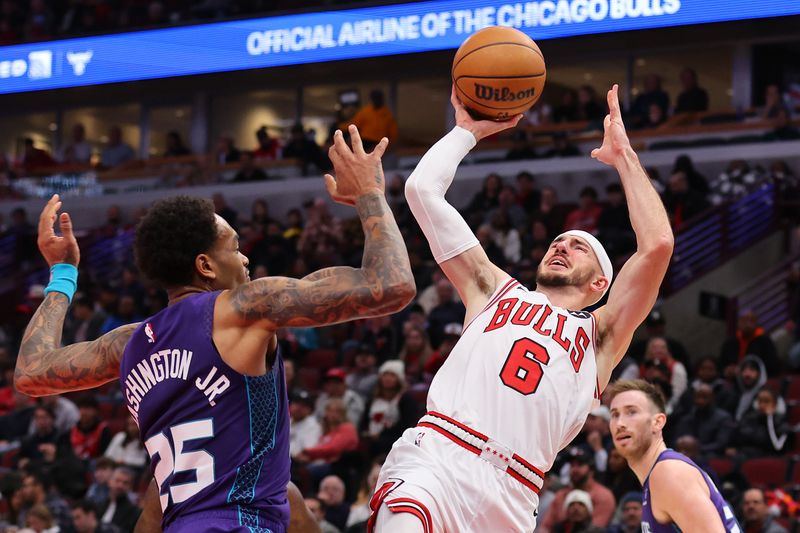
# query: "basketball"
498,72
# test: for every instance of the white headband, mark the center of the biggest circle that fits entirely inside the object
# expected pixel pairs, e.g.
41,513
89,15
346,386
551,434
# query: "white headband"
599,251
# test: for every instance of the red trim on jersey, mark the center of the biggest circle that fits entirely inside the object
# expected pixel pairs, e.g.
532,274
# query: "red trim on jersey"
510,284
460,425
415,507
377,499
529,466
467,446
522,480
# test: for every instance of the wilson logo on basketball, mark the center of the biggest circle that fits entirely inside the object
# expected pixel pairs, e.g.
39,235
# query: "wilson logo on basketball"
493,94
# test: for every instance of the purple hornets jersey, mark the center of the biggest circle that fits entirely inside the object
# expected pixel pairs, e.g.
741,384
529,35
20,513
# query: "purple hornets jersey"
649,522
218,440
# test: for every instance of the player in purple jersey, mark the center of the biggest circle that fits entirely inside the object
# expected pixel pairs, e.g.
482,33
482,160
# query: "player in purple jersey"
677,495
211,406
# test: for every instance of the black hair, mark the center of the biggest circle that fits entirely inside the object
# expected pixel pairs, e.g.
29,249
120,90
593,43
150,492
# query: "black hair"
87,506
171,235
87,401
589,191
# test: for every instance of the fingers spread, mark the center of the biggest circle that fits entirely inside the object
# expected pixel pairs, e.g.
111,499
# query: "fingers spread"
380,148
355,140
330,184
340,147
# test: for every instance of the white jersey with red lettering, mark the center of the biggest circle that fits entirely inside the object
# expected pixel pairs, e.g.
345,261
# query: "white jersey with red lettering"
514,391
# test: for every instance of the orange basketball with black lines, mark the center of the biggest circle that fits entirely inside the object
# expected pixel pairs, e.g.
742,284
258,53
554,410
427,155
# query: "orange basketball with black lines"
498,72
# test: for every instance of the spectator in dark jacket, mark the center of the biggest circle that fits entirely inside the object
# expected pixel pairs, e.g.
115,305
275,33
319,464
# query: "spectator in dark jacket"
697,182
86,322
707,372
763,430
90,436
248,171
756,515
652,94
693,97
712,426
750,339
683,203
630,508
119,509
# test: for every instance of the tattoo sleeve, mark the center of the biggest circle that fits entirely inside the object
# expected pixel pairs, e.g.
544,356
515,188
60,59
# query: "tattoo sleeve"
384,284
43,367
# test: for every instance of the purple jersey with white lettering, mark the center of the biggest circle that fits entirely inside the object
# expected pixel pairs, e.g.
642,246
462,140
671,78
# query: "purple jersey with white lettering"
218,440
649,522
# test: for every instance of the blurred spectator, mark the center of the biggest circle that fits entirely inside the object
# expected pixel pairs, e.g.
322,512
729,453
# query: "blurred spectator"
34,159
763,430
783,128
528,196
655,117
331,493
750,377
396,198
736,181
391,410
334,387
248,171
268,148
116,152
652,94
317,509
485,237
486,199
226,151
90,436
302,147
521,148
658,349
581,475
66,413
339,436
417,349
98,490
375,121
126,313
14,425
126,448
78,150
618,477
175,146
589,106
567,109
364,375
614,224
656,326
84,519
562,147
450,336
587,214
773,103
578,510
690,447
693,97
322,238
40,520
597,436
360,510
697,182
428,298
756,515
631,510
113,226
683,203
222,208
707,373
505,236
507,204
551,212
750,339
304,430
35,493
119,509
713,427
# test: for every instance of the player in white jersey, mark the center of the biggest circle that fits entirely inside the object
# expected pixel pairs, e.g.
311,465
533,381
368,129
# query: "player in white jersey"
530,365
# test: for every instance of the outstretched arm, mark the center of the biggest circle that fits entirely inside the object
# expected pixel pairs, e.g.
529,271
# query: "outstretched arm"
452,242
43,367
635,290
384,284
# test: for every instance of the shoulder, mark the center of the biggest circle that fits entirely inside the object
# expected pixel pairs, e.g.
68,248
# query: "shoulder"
673,477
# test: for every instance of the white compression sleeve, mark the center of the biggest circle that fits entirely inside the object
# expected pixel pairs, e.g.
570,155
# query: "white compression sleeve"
446,230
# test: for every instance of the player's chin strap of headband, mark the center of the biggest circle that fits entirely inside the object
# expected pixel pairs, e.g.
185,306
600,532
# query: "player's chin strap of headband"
447,233
599,251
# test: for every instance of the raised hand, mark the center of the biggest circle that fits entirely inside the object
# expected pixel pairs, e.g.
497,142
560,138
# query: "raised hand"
357,172
57,248
479,128
615,139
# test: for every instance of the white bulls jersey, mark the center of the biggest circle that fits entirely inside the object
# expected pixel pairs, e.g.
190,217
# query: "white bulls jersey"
523,373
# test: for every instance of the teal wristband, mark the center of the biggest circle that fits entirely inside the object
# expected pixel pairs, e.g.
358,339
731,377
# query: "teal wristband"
63,279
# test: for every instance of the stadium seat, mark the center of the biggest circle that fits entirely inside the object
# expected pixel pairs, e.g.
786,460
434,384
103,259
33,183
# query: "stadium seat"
795,479
794,414
308,378
777,384
721,466
323,359
792,389
766,471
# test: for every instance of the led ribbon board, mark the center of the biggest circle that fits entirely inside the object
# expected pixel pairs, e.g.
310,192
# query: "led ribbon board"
337,35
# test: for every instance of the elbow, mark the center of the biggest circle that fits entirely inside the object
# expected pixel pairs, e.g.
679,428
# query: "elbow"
661,247
23,384
401,294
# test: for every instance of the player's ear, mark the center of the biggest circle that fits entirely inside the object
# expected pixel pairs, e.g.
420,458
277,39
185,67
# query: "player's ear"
204,266
600,284
659,421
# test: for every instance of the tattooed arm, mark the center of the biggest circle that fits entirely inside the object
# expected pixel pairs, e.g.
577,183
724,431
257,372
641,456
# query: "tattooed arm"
384,284
43,367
